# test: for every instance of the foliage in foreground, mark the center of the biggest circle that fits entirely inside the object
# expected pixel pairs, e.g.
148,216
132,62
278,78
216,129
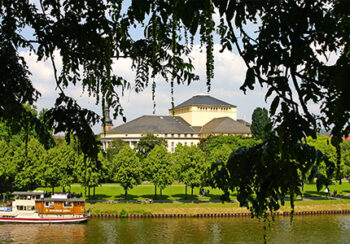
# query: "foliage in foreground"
263,178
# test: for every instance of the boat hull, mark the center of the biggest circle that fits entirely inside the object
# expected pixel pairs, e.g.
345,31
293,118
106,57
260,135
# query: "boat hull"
42,220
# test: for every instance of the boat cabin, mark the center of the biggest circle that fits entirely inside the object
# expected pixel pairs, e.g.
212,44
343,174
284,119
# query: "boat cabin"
59,204
25,201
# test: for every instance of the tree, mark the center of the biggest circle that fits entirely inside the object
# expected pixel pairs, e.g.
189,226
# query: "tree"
281,54
189,163
158,168
345,146
127,169
211,143
261,123
58,166
7,167
147,143
28,160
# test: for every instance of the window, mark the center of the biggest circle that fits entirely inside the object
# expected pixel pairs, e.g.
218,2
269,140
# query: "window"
49,204
67,204
191,143
172,147
30,208
185,135
20,207
185,143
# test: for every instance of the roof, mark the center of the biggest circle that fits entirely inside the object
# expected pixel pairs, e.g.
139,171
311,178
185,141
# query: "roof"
61,200
27,193
225,125
155,124
244,122
204,100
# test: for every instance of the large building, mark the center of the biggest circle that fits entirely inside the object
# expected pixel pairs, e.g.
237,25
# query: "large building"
187,123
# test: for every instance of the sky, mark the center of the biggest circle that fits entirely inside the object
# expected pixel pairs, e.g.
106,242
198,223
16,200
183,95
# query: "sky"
229,75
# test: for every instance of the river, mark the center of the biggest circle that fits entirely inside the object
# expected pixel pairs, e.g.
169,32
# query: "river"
303,229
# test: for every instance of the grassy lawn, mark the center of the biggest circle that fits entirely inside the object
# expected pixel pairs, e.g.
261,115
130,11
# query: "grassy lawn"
145,191
207,207
177,192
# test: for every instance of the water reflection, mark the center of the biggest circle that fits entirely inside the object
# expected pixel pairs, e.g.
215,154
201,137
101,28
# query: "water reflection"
42,233
304,229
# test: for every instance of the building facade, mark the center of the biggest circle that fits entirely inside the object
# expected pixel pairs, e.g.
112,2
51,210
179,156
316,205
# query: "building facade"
186,124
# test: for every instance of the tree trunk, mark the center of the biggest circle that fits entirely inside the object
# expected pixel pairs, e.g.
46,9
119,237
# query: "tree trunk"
160,192
85,191
192,186
126,193
94,190
53,190
155,191
186,191
63,189
89,191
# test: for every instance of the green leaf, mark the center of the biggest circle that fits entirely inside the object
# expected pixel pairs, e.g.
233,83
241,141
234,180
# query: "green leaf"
274,105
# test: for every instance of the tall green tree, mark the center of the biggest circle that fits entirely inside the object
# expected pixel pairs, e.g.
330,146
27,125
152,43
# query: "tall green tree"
58,166
261,123
190,165
28,159
211,143
114,148
158,168
147,143
7,167
127,169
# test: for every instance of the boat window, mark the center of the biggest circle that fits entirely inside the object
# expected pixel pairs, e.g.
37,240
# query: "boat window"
67,204
19,207
49,204
29,208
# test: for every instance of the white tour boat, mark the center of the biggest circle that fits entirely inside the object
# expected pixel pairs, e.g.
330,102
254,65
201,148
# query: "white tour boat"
32,207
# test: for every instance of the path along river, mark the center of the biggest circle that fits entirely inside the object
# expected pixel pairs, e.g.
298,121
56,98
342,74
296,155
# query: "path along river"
304,229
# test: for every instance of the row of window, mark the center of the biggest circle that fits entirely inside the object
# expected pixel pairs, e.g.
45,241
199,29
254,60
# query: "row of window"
65,204
214,109
20,197
25,208
171,135
185,144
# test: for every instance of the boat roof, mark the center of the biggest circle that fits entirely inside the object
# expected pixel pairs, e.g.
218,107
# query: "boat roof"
27,193
61,200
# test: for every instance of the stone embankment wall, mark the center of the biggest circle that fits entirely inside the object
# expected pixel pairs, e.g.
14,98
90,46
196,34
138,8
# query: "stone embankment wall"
346,211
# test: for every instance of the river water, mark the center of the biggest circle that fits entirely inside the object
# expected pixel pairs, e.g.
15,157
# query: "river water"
303,229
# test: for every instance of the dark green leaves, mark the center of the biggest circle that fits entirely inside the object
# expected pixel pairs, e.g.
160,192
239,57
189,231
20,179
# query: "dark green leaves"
249,80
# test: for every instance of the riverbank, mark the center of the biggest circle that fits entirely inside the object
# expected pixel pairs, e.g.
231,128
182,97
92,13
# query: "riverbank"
198,209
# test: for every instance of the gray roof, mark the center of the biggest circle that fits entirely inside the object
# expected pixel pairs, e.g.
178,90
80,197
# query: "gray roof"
155,124
61,200
204,100
225,125
244,122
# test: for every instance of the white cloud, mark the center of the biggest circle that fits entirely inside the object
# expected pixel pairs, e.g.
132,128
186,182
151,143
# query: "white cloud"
229,75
